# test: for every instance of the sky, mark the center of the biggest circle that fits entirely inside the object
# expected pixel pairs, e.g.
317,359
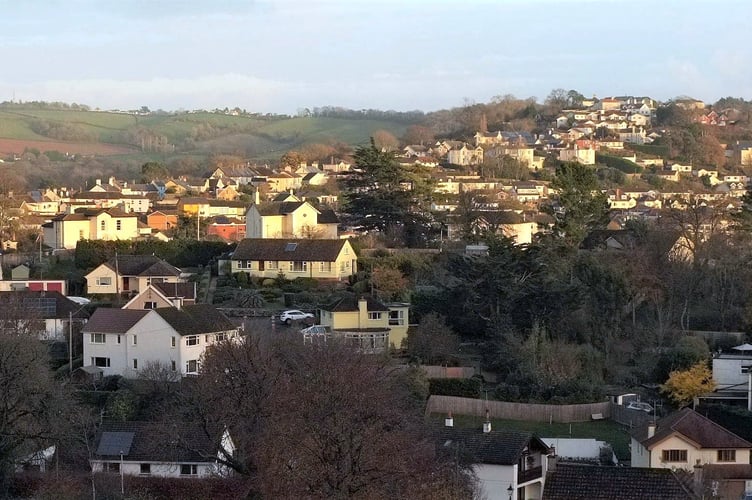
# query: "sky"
282,56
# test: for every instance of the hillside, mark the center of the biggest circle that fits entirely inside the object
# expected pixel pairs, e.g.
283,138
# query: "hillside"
260,137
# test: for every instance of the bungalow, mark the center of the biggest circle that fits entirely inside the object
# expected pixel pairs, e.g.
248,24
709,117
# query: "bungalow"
175,449
306,258
125,341
46,315
685,438
130,273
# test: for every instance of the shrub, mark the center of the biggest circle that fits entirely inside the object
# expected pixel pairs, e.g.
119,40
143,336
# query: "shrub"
461,387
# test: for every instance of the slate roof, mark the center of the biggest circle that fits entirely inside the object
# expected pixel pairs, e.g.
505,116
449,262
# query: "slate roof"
276,249
86,213
349,303
195,319
498,447
142,265
279,208
327,216
184,290
583,482
693,426
165,442
25,304
106,320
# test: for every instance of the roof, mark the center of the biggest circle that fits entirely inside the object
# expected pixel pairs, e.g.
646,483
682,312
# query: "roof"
155,441
106,320
327,216
279,207
584,482
195,319
693,426
349,303
171,290
41,304
288,249
498,447
142,265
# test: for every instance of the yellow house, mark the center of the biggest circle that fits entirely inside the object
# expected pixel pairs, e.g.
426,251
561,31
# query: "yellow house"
66,230
291,219
685,439
131,274
206,207
331,259
366,323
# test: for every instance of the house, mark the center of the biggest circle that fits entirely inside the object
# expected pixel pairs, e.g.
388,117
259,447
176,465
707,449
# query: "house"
743,153
124,341
226,228
731,375
580,482
158,295
205,207
174,449
305,258
130,274
46,315
465,155
585,156
507,464
523,154
366,323
162,220
66,230
686,438
290,219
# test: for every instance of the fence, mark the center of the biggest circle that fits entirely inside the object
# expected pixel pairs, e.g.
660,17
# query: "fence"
517,411
434,371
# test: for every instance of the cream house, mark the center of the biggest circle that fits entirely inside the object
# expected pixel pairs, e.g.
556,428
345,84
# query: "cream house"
684,439
165,294
131,274
586,156
295,258
465,155
125,341
366,323
65,231
290,219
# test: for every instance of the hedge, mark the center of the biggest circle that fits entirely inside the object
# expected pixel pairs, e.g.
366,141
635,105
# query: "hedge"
180,253
626,166
650,149
462,387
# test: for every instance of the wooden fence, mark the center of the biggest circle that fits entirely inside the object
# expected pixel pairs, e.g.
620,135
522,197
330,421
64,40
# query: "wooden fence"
434,371
517,411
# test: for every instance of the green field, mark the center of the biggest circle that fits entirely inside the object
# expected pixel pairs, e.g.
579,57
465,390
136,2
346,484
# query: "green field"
602,430
258,137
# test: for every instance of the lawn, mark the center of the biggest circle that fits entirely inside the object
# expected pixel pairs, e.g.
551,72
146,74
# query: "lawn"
602,430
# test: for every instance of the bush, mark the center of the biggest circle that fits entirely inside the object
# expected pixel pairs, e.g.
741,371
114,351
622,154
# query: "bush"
461,387
626,166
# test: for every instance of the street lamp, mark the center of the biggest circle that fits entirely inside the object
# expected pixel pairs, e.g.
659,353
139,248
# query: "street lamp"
122,484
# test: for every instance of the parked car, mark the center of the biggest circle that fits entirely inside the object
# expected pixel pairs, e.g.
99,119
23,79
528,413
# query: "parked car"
287,317
636,405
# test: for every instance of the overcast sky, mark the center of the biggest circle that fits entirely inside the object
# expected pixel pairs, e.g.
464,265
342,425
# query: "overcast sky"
284,55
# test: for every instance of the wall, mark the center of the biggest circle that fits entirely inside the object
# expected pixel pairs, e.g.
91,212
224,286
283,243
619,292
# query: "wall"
517,411
495,479
101,272
159,469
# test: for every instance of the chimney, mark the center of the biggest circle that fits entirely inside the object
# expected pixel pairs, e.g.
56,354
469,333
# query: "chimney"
449,421
111,181
487,424
551,459
698,479
99,182
256,196
651,429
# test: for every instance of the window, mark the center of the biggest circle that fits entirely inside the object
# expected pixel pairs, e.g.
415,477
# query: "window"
347,250
188,470
97,338
173,342
145,469
299,266
325,267
135,340
101,362
103,225
220,337
135,364
727,455
244,264
150,305
397,318
173,365
112,467
118,339
674,455
191,366
104,281
272,264
375,316
81,234
192,340
118,225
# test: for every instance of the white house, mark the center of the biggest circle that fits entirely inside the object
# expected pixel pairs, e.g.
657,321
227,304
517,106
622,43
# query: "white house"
45,314
507,464
175,449
124,341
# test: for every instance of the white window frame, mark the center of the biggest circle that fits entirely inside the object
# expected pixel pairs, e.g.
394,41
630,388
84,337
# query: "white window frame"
150,305
135,363
374,315
106,361
192,340
191,363
192,469
104,281
98,338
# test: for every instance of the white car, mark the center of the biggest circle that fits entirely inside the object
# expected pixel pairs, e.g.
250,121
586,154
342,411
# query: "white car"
636,405
287,317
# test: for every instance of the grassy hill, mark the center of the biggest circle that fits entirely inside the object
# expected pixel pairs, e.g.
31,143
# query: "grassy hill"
256,136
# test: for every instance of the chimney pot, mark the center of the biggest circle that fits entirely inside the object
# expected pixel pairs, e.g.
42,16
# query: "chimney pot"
449,421
651,429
